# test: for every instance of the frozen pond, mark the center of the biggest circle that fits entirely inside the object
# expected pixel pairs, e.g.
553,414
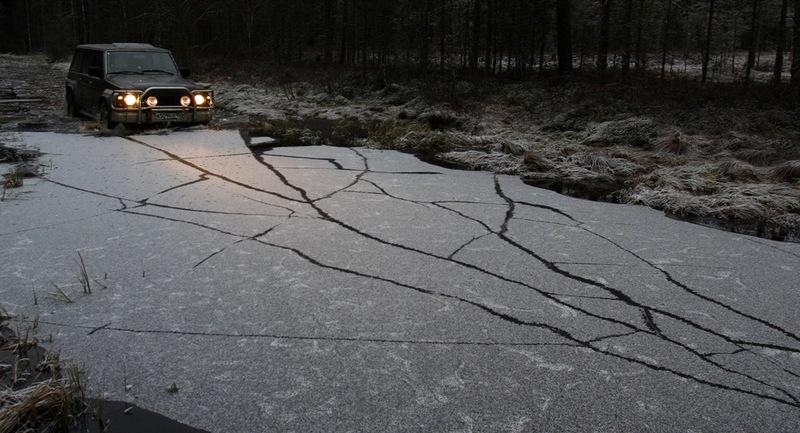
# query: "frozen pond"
349,289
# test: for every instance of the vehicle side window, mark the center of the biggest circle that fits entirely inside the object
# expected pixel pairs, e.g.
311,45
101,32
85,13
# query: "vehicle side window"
77,61
95,58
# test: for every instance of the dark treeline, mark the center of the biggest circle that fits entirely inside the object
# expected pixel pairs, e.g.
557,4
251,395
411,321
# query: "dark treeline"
511,37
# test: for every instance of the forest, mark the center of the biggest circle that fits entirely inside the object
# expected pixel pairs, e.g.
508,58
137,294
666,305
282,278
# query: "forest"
718,39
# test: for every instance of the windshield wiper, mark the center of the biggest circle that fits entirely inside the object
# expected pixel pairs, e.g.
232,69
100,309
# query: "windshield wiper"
158,70
125,72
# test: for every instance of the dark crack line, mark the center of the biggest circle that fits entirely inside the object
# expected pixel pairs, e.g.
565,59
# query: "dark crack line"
169,159
202,178
621,265
254,237
467,244
88,191
203,211
565,295
611,337
108,327
196,224
737,351
709,299
650,322
548,208
218,176
338,166
331,161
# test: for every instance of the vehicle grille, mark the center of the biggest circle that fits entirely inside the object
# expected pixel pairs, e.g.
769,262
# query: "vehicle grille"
167,97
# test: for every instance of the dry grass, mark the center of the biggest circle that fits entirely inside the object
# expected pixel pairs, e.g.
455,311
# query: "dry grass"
52,405
536,162
51,400
788,171
756,203
737,170
695,179
482,161
678,143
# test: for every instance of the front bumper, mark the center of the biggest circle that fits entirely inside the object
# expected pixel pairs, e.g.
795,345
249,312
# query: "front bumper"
161,115
169,105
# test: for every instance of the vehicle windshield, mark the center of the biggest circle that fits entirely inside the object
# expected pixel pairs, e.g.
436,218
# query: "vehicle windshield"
139,62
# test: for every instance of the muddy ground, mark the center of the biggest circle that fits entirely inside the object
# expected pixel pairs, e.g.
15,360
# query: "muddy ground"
720,155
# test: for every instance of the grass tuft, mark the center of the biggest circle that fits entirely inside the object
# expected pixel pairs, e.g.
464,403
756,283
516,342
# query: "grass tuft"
60,294
51,405
734,169
677,143
48,397
789,171
83,276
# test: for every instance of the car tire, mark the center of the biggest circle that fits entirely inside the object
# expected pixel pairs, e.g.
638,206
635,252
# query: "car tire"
104,116
72,109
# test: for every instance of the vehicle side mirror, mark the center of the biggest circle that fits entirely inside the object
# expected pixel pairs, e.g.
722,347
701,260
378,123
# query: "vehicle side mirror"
185,72
95,71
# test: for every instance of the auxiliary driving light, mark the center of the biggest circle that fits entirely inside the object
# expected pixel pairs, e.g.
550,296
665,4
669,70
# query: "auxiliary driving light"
151,101
185,101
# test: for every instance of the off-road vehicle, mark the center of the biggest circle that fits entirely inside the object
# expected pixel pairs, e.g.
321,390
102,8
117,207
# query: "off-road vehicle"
134,84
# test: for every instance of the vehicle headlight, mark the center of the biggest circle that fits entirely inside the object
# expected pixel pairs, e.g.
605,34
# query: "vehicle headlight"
130,100
202,99
151,101
186,101
126,100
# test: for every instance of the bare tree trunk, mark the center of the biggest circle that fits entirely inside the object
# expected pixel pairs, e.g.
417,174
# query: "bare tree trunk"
794,81
28,26
751,53
707,46
442,37
564,35
640,61
626,38
667,24
490,22
345,31
780,47
328,31
602,49
476,36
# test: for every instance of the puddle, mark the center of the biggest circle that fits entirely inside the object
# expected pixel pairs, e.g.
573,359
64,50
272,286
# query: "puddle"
305,132
121,417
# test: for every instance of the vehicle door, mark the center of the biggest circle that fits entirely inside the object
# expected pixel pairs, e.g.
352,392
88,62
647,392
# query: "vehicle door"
77,79
95,84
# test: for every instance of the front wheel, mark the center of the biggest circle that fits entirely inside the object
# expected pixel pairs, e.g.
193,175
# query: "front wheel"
104,116
72,109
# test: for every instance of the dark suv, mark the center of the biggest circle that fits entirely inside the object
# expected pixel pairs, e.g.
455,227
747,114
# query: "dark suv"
134,84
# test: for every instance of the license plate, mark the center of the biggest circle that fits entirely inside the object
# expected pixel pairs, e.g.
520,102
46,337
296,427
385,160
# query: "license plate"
166,116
